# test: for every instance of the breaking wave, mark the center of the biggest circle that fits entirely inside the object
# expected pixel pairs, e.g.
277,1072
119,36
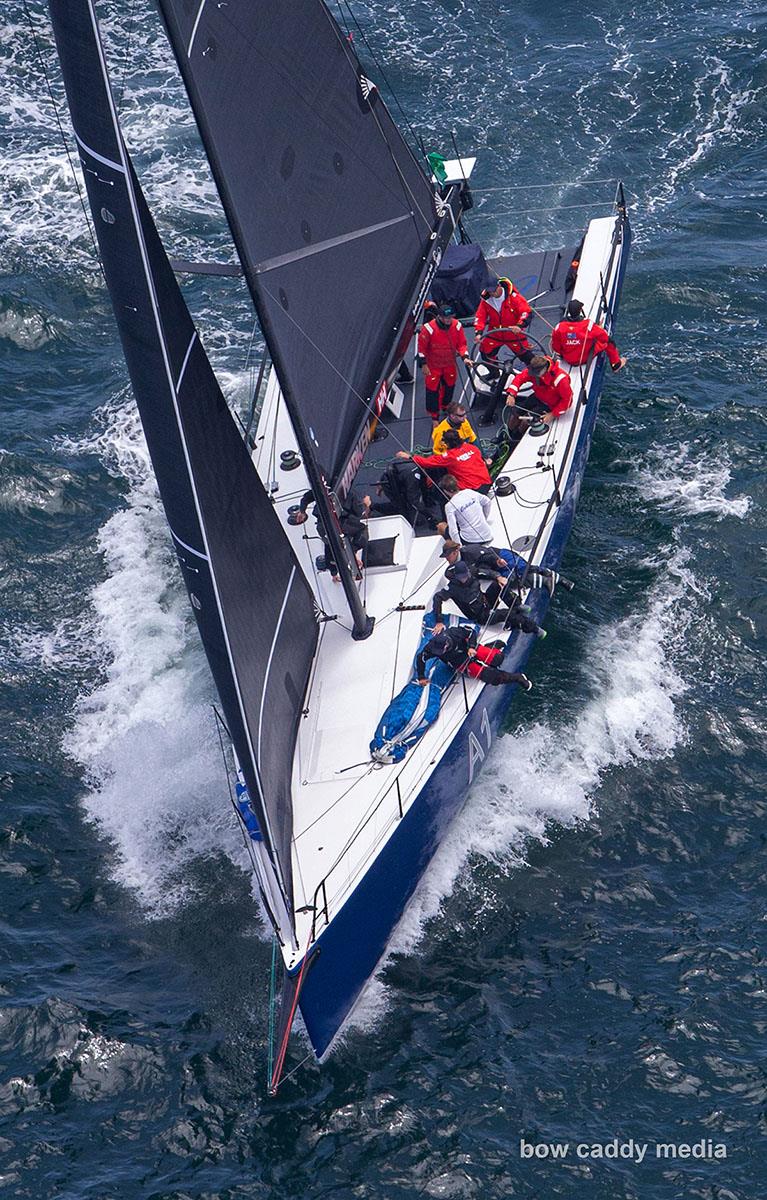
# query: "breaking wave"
145,735
689,483
26,486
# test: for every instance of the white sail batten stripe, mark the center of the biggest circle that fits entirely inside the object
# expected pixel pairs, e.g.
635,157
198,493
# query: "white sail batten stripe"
191,549
169,374
183,366
108,162
194,29
271,656
281,260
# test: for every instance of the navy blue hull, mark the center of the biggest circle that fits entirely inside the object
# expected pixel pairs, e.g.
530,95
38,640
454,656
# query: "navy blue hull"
354,942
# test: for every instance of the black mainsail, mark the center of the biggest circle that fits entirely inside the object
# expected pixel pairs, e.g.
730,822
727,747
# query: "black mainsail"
331,214
252,603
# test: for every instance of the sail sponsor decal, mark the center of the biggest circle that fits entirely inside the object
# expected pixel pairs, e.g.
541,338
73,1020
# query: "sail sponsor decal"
478,752
355,462
381,396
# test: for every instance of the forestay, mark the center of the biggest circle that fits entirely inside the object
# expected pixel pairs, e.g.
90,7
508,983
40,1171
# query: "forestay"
330,212
253,607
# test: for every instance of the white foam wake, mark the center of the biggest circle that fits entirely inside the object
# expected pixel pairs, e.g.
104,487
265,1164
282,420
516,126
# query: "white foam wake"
551,772
145,735
690,482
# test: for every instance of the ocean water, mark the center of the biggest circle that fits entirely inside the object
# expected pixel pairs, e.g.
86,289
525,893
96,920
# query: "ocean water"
584,963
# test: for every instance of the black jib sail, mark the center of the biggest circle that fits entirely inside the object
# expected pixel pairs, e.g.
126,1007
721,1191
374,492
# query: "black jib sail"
330,212
253,606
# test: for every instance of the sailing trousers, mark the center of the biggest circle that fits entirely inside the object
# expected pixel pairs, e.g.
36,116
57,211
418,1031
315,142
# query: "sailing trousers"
513,617
482,611
490,410
440,385
520,347
483,667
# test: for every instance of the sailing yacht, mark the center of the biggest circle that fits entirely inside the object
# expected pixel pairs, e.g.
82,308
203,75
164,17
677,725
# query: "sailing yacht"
340,230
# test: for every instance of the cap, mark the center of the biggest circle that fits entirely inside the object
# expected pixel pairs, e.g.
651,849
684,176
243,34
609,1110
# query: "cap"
491,284
449,548
440,642
460,571
445,310
574,310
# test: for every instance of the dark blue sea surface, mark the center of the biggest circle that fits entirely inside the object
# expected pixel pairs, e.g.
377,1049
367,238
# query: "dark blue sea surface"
585,960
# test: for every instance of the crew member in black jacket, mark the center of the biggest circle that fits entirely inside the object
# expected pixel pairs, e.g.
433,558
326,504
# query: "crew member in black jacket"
351,518
463,588
487,563
457,646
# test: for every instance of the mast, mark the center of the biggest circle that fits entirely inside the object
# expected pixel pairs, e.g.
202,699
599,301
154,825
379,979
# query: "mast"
332,217
362,623
425,272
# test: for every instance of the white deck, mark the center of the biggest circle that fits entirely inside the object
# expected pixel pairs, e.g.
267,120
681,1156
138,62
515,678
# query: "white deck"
344,808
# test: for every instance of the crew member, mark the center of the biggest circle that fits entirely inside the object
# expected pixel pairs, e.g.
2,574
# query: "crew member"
461,459
455,418
503,307
463,588
489,563
352,517
552,392
466,513
576,339
440,342
402,489
457,646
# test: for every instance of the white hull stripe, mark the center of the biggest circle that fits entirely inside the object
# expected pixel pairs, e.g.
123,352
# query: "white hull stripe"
108,162
191,549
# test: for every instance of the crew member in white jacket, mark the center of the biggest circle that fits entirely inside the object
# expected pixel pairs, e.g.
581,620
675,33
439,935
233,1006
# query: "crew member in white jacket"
466,514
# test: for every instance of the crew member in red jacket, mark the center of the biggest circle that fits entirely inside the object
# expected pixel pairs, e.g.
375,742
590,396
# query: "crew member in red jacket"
552,392
440,342
503,307
461,459
576,339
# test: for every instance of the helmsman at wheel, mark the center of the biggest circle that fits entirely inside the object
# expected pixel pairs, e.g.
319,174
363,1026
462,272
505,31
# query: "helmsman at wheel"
551,388
505,309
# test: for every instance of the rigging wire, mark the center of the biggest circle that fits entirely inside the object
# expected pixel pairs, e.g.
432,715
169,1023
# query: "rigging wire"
272,1013
126,58
549,208
62,135
346,4
524,187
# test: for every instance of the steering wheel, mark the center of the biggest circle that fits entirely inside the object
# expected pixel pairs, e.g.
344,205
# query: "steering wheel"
508,329
478,361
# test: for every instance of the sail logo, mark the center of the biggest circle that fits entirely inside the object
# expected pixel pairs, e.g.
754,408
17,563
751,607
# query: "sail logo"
367,93
366,87
380,399
360,449
478,753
